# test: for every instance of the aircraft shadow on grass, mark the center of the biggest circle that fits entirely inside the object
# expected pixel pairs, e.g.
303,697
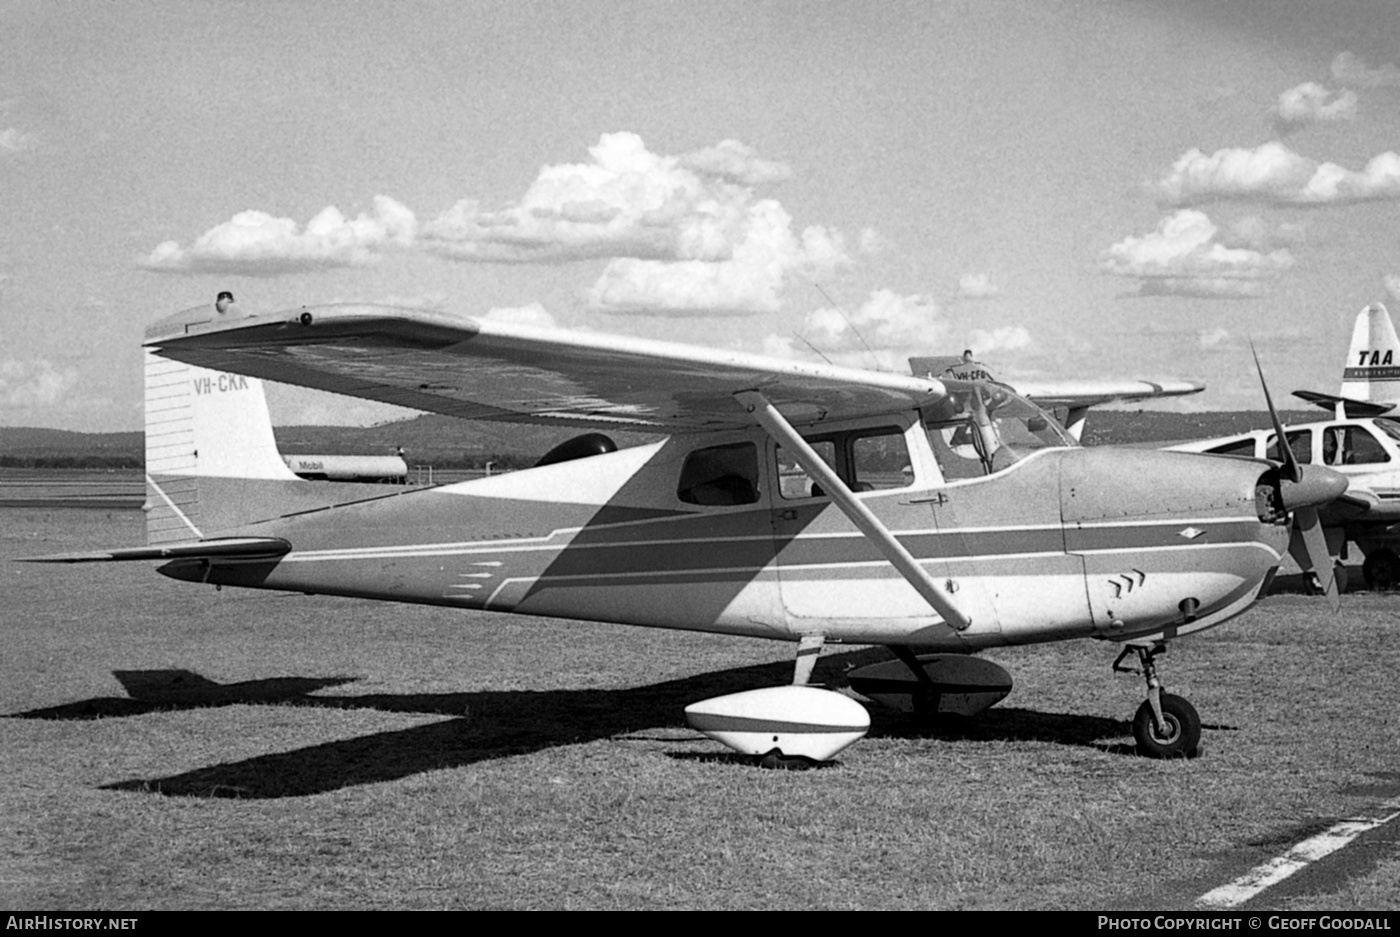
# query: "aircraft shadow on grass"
501,724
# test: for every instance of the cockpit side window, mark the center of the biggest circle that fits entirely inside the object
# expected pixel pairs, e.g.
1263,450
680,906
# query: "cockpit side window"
980,428
720,475
955,449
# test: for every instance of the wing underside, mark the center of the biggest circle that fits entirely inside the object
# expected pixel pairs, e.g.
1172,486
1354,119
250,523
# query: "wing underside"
477,369
1093,393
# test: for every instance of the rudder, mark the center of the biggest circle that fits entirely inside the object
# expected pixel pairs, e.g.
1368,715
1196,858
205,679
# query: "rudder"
207,434
1372,370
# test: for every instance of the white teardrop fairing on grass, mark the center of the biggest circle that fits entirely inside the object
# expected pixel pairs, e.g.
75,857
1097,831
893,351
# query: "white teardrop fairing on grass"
799,721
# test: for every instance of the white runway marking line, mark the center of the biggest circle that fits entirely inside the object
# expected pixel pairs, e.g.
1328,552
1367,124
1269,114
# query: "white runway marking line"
1309,850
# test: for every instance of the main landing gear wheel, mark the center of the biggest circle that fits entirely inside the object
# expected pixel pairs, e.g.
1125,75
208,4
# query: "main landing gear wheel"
1180,737
1382,570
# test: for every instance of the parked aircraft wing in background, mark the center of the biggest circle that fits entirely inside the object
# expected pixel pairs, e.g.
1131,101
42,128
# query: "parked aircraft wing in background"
1070,400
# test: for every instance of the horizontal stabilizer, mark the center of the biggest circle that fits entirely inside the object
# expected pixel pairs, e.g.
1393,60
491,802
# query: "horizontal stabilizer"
1352,408
231,548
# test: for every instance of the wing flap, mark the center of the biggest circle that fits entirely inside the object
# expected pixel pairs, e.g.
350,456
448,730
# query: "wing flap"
479,369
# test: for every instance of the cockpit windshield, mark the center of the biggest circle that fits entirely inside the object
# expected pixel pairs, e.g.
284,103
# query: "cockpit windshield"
982,427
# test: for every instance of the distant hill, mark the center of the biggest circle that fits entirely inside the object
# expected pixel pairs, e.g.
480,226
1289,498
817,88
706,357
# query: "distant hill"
430,439
446,442
1126,427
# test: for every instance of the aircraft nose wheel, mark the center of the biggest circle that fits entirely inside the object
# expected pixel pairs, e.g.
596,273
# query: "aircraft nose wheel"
1178,737
1165,725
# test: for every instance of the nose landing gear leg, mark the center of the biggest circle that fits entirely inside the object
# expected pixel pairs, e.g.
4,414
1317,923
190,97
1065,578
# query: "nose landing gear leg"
1165,726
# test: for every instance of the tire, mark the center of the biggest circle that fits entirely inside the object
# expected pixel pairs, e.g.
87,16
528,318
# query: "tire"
1183,736
1382,570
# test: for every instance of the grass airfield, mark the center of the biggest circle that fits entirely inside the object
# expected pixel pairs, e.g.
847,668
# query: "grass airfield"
174,746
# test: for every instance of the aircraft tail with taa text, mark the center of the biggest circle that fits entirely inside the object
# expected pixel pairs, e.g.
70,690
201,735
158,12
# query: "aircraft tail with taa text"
1372,371
1371,374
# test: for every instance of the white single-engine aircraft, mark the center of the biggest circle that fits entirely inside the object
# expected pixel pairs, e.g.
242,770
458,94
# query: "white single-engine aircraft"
799,502
1070,401
1359,442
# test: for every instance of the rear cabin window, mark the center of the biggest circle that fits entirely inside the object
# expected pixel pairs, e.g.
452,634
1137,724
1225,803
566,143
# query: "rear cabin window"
793,479
880,460
720,475
866,460
1351,445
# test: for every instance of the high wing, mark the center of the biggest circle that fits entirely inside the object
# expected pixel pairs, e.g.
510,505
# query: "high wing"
484,370
1075,394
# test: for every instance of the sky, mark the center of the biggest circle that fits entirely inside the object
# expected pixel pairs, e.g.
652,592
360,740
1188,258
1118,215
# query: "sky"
1070,188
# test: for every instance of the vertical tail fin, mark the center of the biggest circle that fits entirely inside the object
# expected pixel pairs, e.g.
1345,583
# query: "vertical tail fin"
207,434
1372,370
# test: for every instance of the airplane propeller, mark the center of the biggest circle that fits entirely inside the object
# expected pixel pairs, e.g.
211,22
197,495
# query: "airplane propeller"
1302,488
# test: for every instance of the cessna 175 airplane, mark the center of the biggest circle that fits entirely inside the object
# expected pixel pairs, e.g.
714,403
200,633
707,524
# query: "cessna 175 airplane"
792,501
1358,442
1070,401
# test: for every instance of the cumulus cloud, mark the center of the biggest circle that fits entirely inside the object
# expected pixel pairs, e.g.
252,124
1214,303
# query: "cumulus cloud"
35,383
977,286
1186,256
1216,339
885,331
1349,69
685,234
14,140
1311,103
1392,287
254,243
626,201
1002,339
1255,233
870,241
1275,174
732,160
22,110
749,280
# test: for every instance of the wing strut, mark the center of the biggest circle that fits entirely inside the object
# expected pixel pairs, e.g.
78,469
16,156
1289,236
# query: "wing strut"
866,522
